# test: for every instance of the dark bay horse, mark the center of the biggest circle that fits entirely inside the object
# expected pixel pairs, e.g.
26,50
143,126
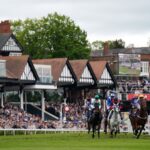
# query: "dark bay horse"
139,120
95,122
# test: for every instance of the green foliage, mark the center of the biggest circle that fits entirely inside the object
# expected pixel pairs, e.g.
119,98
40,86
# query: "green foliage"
53,96
116,44
52,36
13,98
98,45
34,96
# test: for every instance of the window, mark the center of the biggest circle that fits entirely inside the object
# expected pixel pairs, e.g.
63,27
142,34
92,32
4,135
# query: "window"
2,68
145,68
44,72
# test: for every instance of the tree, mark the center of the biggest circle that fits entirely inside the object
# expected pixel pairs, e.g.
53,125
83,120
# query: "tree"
52,36
98,45
116,44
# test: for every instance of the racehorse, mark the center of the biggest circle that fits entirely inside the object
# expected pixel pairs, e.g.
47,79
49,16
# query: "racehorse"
114,118
139,120
106,121
95,122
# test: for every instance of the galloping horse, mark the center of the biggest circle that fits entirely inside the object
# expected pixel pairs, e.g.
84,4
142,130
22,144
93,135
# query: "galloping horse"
114,119
95,121
139,120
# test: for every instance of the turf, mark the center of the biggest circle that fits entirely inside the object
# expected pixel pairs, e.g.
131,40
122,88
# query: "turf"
73,141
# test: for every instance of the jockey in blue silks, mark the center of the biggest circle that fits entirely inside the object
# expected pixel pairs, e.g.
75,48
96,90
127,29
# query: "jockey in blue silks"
109,104
135,103
109,101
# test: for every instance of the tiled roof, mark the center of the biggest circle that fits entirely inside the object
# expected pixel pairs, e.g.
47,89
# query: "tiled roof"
57,65
4,38
15,65
98,68
78,66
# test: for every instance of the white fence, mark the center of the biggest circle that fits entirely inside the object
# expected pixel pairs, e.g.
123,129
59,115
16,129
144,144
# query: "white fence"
35,131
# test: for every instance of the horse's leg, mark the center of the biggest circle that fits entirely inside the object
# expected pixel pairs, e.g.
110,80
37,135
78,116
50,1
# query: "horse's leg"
89,127
116,130
133,125
138,135
115,133
111,133
111,130
105,126
93,129
98,130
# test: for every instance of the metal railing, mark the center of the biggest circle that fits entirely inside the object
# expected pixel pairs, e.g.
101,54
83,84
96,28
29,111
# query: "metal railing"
36,131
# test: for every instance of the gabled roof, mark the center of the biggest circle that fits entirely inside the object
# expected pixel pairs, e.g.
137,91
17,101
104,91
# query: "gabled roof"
4,37
57,65
78,67
15,66
98,68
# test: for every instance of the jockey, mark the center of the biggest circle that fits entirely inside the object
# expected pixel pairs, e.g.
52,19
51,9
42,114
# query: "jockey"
141,97
116,103
135,102
109,101
109,105
89,107
97,102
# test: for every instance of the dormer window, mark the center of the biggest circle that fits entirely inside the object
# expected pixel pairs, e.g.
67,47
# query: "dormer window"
2,68
44,73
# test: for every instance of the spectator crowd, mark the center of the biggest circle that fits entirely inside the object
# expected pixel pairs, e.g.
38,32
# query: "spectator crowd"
11,116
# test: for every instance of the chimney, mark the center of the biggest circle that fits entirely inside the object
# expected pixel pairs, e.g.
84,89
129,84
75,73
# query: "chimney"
5,27
106,49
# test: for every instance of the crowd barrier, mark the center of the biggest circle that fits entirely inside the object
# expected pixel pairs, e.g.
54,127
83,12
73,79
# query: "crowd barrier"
35,131
46,131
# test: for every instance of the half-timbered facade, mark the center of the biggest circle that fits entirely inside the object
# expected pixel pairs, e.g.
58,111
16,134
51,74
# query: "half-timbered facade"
62,74
9,45
82,72
84,80
66,75
103,74
19,68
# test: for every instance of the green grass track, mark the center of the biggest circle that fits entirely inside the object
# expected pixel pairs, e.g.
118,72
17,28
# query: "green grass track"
73,141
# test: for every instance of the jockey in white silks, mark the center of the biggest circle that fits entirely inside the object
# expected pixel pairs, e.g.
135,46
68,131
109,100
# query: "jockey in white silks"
89,107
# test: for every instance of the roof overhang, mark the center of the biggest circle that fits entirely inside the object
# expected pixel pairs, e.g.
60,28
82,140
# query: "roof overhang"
65,83
40,86
79,84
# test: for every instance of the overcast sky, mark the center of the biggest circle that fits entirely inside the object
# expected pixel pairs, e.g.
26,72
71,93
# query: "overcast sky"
101,19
